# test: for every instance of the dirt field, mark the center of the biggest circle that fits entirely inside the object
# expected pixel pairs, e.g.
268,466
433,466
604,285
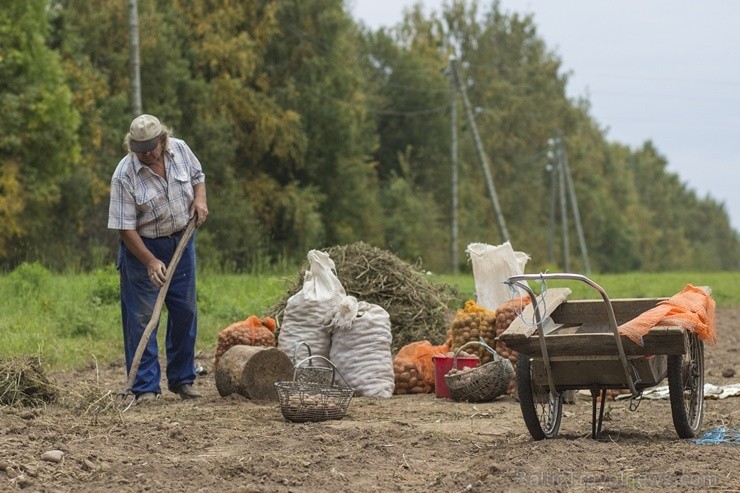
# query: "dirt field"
404,444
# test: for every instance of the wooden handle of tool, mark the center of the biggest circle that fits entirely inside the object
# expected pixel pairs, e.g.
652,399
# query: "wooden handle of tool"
160,301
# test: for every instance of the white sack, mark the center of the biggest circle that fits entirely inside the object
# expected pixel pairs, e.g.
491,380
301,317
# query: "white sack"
361,347
492,265
306,310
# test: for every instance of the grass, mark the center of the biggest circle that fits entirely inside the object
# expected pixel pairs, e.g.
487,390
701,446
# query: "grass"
73,320
633,285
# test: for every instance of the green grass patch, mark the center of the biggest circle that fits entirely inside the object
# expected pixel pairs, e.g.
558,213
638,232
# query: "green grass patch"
632,285
71,320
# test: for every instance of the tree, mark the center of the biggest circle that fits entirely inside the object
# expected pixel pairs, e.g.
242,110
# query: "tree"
38,132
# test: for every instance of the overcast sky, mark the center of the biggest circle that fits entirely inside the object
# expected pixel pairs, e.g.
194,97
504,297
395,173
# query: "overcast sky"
661,70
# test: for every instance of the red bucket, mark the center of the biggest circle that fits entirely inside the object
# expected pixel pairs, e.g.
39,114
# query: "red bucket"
442,365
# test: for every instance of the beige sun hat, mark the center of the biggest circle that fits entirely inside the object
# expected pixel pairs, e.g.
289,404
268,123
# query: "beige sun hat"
144,133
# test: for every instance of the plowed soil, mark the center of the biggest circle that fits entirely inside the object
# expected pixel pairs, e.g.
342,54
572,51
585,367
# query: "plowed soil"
402,444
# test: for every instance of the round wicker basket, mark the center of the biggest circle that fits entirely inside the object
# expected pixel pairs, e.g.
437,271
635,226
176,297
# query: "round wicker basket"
480,384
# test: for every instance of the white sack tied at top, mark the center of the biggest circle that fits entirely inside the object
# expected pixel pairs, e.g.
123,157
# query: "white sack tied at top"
492,265
306,310
361,346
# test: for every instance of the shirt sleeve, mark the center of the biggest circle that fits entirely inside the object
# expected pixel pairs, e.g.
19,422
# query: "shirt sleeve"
196,170
122,209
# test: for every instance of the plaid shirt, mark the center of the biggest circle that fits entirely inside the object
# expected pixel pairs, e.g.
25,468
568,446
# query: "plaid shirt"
154,207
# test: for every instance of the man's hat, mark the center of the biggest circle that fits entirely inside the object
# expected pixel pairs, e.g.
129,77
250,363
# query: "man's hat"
144,134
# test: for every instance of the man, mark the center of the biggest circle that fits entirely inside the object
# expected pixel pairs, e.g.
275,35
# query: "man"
156,188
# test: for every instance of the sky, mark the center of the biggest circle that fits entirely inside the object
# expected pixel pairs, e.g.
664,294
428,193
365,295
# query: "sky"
667,71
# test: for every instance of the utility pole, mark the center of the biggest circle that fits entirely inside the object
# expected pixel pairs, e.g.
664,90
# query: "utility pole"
563,211
453,162
558,166
576,211
552,168
133,24
481,154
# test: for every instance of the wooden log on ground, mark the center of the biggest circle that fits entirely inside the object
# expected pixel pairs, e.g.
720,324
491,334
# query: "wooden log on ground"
252,371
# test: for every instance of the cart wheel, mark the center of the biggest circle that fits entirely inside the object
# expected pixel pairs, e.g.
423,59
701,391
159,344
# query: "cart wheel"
686,387
541,412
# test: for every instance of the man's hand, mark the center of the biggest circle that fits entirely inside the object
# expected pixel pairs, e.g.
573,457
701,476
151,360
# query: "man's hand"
157,272
155,268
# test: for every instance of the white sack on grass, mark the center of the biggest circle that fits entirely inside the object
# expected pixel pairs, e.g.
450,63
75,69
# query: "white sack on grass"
492,265
306,310
361,347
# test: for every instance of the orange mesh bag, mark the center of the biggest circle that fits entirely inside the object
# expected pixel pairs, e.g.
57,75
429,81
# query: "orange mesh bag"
692,309
413,367
253,331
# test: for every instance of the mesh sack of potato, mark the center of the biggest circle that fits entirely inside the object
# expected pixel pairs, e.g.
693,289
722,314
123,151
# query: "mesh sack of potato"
474,323
253,331
413,367
505,314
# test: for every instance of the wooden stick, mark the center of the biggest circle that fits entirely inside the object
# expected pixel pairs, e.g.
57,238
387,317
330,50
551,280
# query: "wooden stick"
158,305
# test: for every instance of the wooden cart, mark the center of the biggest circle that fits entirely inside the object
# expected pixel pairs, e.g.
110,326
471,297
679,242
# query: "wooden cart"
571,345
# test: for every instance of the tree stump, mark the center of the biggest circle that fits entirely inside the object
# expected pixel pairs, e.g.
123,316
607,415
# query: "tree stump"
252,371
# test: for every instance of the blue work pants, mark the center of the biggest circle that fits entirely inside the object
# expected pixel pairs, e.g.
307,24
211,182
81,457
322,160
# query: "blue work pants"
138,297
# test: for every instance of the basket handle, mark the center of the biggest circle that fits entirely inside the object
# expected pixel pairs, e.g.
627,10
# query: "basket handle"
496,356
335,371
295,351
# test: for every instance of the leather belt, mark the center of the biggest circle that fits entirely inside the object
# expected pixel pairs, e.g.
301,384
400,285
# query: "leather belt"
176,234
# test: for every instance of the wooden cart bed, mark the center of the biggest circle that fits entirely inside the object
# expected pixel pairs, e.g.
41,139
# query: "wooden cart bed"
580,328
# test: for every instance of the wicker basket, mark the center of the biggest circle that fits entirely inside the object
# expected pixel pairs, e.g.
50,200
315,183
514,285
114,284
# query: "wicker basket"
302,401
480,384
310,373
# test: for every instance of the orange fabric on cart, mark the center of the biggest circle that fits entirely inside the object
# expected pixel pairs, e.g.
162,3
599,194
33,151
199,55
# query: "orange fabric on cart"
692,309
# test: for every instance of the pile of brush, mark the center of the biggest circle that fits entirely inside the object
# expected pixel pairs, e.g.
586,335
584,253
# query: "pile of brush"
24,383
419,309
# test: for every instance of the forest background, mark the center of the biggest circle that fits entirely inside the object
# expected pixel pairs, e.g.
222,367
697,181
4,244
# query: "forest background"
316,131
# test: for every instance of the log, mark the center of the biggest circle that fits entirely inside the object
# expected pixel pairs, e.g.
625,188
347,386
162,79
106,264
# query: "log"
252,371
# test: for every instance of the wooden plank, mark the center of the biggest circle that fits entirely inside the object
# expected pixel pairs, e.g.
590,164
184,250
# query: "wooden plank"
519,329
625,309
581,311
660,340
585,373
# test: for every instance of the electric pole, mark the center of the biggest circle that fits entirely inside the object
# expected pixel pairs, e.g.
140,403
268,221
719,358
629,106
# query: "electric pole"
133,24
552,169
576,211
563,209
453,162
559,169
481,154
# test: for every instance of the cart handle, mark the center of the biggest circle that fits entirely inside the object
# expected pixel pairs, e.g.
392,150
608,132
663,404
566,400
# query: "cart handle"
516,281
